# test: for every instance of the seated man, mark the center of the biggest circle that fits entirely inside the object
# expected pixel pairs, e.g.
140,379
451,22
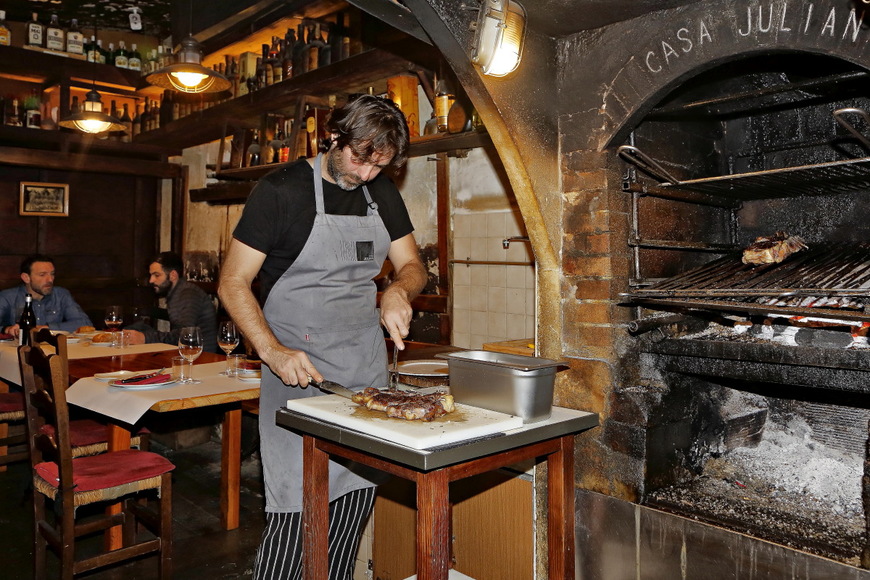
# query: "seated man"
187,304
53,306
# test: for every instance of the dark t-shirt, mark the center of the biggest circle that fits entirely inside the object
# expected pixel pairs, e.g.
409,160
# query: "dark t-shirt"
280,211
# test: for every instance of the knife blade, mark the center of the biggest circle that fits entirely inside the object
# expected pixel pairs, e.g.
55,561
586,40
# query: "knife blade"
334,388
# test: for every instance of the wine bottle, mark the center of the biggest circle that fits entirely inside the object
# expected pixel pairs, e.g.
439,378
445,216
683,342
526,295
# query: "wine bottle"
5,33
325,58
92,50
254,150
134,59
75,40
287,54
275,60
264,65
127,137
119,57
35,32
102,53
55,38
137,123
300,56
26,322
315,43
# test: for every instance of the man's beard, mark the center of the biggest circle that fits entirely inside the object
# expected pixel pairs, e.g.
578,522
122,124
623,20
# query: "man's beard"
336,172
44,290
162,289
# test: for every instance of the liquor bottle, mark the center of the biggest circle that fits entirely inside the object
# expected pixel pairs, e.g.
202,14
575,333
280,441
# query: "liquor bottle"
26,322
102,53
166,108
287,54
55,39
32,114
136,126
145,119
260,75
92,51
5,33
300,56
161,57
275,60
266,65
315,43
134,59
119,57
443,101
110,54
74,107
254,150
127,137
13,117
35,32
284,153
75,40
325,58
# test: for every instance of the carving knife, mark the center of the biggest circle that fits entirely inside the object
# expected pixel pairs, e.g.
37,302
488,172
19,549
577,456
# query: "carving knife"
334,388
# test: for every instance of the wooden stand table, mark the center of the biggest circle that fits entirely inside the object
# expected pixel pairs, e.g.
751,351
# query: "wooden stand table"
433,470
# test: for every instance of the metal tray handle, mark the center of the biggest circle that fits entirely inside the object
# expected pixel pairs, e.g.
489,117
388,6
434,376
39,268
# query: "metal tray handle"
645,163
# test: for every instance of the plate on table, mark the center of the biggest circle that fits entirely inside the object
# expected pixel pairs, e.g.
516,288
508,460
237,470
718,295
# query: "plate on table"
86,334
70,339
117,375
423,368
249,376
101,343
134,387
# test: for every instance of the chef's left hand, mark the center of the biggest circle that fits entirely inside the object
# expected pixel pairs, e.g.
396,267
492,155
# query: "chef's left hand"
396,314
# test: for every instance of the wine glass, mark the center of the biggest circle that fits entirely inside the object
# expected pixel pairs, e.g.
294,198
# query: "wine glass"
190,346
228,340
114,317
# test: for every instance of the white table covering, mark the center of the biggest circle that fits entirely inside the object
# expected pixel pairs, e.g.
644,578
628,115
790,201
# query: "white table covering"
129,405
9,354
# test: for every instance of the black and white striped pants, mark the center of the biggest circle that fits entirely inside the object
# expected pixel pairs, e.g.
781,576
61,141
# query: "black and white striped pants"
279,556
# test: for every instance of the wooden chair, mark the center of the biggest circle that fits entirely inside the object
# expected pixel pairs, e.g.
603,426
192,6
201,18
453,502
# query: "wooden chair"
88,436
63,483
13,440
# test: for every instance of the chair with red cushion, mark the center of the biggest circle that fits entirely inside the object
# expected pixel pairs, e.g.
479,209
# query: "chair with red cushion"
62,483
13,440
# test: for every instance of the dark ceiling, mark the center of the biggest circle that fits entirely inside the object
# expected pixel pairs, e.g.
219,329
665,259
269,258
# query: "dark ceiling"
557,18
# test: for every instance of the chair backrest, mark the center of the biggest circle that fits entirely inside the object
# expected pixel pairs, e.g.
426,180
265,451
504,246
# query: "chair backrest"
45,381
45,337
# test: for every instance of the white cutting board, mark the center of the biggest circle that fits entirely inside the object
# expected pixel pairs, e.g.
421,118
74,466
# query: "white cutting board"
464,423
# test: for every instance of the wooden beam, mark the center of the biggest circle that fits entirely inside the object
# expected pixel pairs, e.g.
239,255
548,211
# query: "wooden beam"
87,162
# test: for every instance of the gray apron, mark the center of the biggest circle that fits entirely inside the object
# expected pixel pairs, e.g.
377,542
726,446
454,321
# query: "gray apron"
325,305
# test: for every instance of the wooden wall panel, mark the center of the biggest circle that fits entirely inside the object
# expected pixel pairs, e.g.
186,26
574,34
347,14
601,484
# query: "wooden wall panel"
101,249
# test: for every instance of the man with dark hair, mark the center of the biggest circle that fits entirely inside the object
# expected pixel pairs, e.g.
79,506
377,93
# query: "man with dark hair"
317,233
187,304
53,306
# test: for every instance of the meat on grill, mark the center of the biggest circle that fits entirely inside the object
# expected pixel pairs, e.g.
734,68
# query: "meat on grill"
406,405
772,249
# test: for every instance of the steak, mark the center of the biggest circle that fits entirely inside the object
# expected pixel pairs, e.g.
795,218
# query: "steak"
772,249
406,405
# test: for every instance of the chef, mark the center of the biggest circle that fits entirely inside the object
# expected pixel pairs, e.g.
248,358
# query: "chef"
317,232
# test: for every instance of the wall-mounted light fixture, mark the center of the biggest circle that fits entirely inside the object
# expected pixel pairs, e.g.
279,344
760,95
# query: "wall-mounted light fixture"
91,118
498,39
187,75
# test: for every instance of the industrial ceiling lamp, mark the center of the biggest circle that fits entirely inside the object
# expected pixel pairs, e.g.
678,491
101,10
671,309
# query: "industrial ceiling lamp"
92,119
499,34
188,75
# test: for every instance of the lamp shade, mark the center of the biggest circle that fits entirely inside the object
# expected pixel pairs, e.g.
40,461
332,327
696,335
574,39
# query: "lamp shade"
188,75
501,29
92,119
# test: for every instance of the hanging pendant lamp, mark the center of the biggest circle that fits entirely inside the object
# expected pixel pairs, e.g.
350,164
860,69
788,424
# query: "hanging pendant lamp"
92,119
188,75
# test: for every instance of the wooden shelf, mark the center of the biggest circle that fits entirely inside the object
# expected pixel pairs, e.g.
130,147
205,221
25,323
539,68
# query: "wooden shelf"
236,184
50,69
208,125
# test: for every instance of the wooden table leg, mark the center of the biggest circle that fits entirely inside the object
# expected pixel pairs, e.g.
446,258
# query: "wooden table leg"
433,526
119,438
315,511
231,468
560,515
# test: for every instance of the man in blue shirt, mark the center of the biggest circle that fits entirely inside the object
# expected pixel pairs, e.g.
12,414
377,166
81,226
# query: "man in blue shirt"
53,306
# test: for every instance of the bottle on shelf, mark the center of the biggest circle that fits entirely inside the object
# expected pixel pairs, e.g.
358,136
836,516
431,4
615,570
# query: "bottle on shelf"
35,32
119,57
325,57
74,107
286,131
13,117
110,54
443,101
92,51
55,37
254,150
315,43
32,113
5,33
127,137
26,322
136,126
260,75
134,59
300,56
275,60
287,54
102,54
75,40
265,64
166,108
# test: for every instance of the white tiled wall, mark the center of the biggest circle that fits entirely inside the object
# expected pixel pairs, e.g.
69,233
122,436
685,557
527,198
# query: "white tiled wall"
491,302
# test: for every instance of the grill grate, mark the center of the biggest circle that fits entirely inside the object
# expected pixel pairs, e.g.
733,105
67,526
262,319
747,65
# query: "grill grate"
828,280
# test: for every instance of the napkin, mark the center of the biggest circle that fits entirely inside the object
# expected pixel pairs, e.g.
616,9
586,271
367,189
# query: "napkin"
4,336
147,381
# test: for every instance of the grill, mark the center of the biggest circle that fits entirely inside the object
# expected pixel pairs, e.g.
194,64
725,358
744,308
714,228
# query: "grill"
830,280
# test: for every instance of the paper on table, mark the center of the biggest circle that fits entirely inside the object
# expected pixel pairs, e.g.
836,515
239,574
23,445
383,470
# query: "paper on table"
129,405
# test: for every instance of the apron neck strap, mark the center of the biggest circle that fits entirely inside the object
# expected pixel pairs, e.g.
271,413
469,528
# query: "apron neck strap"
318,190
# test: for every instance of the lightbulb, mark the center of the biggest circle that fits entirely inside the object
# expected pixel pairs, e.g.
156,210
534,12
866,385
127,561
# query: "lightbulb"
189,79
92,125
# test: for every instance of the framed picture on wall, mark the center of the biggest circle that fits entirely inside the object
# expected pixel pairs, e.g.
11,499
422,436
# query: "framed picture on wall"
50,199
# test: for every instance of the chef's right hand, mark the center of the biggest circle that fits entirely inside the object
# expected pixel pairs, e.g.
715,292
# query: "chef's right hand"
292,366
